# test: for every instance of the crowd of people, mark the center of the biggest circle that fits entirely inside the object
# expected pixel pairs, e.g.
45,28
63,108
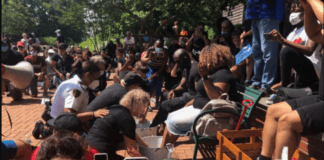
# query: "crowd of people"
179,70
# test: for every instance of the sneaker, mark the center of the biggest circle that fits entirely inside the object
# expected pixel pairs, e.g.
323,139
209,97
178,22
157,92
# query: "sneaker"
265,91
254,87
37,130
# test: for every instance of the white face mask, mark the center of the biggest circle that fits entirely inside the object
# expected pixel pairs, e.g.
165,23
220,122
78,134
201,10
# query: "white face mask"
295,18
102,72
94,84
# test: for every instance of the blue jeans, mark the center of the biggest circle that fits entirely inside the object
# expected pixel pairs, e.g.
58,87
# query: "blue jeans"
265,52
157,83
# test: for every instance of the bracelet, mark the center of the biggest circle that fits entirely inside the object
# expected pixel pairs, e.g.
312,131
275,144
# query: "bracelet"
93,115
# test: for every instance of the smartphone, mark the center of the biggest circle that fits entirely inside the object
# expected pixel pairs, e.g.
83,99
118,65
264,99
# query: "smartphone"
268,36
159,51
137,158
101,156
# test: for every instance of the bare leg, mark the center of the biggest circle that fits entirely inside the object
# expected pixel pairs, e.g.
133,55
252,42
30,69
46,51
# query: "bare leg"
249,67
270,126
46,84
289,127
168,137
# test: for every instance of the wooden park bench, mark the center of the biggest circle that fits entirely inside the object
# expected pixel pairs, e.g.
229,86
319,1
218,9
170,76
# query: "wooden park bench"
243,93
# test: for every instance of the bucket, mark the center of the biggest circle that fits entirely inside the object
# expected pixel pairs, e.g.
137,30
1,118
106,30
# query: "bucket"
153,151
143,130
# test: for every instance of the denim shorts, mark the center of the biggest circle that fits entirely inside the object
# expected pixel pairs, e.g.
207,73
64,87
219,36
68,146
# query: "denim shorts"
179,122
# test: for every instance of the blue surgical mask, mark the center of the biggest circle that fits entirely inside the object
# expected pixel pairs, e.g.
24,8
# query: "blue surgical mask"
4,48
224,33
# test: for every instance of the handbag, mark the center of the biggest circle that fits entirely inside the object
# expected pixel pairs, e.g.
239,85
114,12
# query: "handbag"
209,124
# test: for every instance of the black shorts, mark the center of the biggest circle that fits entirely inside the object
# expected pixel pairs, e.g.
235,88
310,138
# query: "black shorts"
311,113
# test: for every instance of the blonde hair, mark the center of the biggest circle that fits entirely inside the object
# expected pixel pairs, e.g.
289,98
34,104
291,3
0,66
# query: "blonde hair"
134,99
217,56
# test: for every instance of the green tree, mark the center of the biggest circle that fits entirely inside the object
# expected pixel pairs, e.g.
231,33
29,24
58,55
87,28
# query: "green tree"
15,17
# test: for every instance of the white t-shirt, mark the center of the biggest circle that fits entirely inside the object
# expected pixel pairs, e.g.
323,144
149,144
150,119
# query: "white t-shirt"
316,60
129,41
298,35
64,98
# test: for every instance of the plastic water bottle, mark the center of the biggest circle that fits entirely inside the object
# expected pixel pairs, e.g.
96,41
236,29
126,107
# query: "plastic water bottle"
27,139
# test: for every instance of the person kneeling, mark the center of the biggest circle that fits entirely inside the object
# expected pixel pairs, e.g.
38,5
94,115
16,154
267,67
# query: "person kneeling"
119,125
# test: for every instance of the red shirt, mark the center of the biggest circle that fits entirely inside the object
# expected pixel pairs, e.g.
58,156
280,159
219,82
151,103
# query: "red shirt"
89,155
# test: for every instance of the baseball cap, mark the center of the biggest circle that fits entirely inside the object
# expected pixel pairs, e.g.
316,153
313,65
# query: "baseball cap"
133,78
20,43
58,30
68,121
62,45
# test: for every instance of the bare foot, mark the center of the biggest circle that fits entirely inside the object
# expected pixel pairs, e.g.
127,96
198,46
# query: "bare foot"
275,87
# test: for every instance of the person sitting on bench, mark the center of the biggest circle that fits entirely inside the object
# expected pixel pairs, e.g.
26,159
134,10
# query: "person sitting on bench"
286,121
214,68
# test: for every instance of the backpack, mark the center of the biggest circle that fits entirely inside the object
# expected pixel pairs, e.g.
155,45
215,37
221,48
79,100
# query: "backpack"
209,124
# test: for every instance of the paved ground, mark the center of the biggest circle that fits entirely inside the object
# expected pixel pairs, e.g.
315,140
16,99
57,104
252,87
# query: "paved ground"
24,114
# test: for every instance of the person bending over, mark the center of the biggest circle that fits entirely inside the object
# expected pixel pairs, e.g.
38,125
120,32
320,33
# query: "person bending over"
113,94
186,89
72,96
68,124
119,125
215,61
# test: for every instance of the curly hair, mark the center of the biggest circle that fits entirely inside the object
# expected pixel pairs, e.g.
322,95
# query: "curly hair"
217,56
135,99
62,145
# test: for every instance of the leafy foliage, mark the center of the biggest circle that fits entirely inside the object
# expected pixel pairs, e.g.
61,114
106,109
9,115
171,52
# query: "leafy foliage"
109,18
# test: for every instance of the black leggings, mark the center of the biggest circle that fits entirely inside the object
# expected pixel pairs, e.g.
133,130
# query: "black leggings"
169,106
290,58
321,83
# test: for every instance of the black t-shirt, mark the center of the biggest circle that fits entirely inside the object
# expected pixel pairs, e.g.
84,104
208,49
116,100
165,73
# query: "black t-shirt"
60,38
108,97
222,75
321,83
192,77
63,65
122,74
111,50
121,60
107,132
107,60
11,58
